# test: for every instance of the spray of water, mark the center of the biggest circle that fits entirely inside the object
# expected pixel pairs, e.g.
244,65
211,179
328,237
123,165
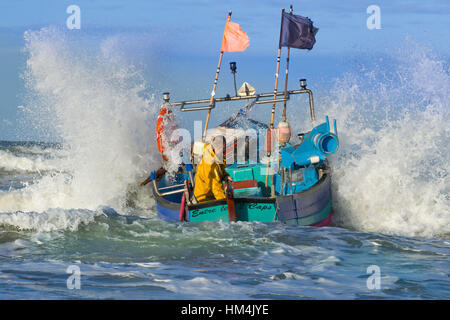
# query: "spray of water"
96,103
391,172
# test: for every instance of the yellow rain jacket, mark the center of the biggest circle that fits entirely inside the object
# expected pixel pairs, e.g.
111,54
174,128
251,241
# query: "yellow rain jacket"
209,176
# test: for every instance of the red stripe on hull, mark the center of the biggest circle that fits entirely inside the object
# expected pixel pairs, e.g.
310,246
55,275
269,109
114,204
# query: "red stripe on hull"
325,222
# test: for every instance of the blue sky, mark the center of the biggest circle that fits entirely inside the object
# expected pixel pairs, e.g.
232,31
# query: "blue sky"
196,24
188,30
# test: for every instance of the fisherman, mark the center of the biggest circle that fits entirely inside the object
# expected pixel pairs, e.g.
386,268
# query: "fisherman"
211,172
165,124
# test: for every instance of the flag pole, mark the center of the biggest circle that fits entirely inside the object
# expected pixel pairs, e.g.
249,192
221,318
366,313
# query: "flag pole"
287,73
272,117
213,92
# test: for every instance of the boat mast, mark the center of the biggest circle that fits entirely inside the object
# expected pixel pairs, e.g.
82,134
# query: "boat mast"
272,117
213,92
287,72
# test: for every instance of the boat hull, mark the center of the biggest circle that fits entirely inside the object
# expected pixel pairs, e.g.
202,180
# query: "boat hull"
312,207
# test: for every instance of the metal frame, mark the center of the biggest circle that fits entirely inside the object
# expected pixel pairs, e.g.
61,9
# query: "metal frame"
257,98
155,187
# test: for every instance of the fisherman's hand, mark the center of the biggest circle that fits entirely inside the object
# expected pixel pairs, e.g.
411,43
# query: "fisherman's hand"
229,178
143,183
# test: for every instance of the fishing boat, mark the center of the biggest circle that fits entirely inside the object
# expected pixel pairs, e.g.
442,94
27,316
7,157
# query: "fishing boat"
276,175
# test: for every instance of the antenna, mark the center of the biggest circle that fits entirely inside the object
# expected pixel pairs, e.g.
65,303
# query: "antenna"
233,71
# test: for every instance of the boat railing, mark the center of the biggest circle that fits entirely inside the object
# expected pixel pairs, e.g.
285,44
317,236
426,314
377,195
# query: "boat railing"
168,193
259,99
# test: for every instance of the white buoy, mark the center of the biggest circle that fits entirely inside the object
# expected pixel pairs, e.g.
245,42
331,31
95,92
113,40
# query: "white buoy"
284,132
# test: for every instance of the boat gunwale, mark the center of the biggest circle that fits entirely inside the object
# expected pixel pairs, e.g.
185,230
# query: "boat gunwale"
304,193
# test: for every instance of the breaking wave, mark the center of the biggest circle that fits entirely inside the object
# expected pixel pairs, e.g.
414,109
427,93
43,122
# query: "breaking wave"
50,220
13,163
391,174
96,102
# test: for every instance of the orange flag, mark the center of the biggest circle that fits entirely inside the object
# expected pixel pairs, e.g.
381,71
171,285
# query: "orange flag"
234,39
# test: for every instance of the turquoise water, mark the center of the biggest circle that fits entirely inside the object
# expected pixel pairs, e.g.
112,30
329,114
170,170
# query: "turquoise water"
133,255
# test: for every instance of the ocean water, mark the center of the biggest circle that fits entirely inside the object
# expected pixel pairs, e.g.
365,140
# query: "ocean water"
76,205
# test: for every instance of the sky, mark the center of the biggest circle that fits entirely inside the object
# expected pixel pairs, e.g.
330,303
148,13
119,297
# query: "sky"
185,35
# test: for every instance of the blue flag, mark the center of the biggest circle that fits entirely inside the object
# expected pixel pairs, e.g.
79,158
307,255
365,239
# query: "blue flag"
297,32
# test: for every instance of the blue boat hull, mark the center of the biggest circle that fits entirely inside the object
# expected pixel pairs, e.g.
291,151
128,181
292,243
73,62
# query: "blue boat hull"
311,207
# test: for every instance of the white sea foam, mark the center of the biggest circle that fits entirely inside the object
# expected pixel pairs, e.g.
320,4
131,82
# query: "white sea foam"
51,220
390,174
11,162
97,103
32,150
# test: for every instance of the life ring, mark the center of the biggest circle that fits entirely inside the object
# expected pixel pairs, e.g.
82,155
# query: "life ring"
160,130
